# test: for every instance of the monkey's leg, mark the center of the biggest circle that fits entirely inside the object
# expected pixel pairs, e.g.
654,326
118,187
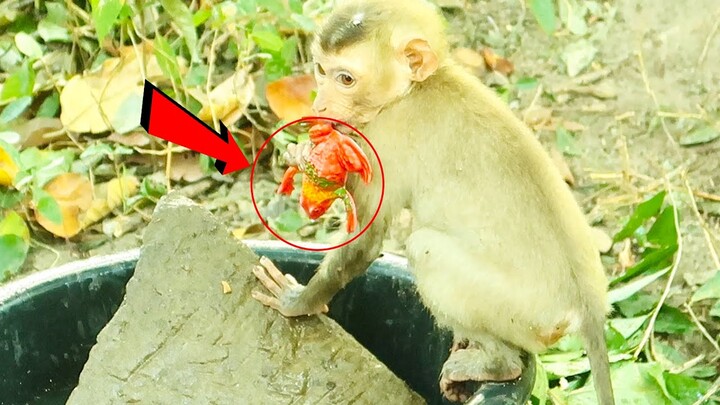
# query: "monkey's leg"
474,362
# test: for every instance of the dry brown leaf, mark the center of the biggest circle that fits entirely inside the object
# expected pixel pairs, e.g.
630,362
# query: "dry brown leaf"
73,193
91,102
573,126
186,166
497,63
470,59
8,168
226,289
39,131
240,233
602,240
626,258
290,97
537,116
562,166
109,196
228,100
135,138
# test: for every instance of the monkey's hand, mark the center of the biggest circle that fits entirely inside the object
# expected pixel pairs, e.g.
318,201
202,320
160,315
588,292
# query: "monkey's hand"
286,291
298,154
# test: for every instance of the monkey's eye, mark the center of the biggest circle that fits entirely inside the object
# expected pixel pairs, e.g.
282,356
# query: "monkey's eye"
345,79
319,69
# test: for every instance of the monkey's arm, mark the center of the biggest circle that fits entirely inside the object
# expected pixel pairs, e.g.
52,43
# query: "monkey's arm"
286,185
337,269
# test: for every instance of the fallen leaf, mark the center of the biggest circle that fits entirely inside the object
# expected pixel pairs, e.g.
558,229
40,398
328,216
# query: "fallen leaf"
73,194
8,167
290,97
109,196
577,56
228,100
626,259
562,166
186,166
109,98
39,131
471,60
137,138
699,136
240,233
497,63
537,116
226,289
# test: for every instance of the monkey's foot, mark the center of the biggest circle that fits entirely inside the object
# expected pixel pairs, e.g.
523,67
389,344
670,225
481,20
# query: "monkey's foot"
467,368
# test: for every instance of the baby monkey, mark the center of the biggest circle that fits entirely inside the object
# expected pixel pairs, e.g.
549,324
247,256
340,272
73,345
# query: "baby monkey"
501,251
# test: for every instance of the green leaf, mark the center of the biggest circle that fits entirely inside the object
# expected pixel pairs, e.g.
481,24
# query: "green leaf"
13,250
28,45
711,289
628,326
167,59
541,387
49,208
14,109
267,38
152,189
126,118
289,221
663,232
644,211
56,13
715,310
627,291
9,198
633,383
201,16
672,320
668,355
20,83
52,32
183,18
196,76
13,224
305,23
526,83
701,371
638,303
566,142
105,15
685,389
296,6
655,261
545,14
50,106
698,136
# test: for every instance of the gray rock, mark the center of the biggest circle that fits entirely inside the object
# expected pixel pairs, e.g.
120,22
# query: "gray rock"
177,338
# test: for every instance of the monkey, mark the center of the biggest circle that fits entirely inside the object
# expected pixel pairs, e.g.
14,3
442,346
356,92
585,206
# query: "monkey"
501,251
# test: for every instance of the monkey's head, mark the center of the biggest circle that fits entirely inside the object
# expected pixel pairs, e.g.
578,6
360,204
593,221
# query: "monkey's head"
368,53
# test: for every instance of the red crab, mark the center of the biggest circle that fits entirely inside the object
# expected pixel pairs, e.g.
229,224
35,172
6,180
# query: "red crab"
332,156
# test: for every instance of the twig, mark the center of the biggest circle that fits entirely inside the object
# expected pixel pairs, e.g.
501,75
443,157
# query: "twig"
703,225
715,387
666,292
701,327
707,196
707,41
643,73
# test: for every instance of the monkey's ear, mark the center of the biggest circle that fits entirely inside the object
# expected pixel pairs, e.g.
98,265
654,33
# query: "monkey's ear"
423,61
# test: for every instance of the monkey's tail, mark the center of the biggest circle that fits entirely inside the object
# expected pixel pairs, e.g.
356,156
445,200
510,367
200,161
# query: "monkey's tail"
593,330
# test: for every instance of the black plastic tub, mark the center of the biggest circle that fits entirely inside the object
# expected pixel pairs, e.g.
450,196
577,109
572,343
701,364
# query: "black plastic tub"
49,321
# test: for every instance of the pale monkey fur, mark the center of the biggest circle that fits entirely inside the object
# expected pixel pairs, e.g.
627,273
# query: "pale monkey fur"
499,246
